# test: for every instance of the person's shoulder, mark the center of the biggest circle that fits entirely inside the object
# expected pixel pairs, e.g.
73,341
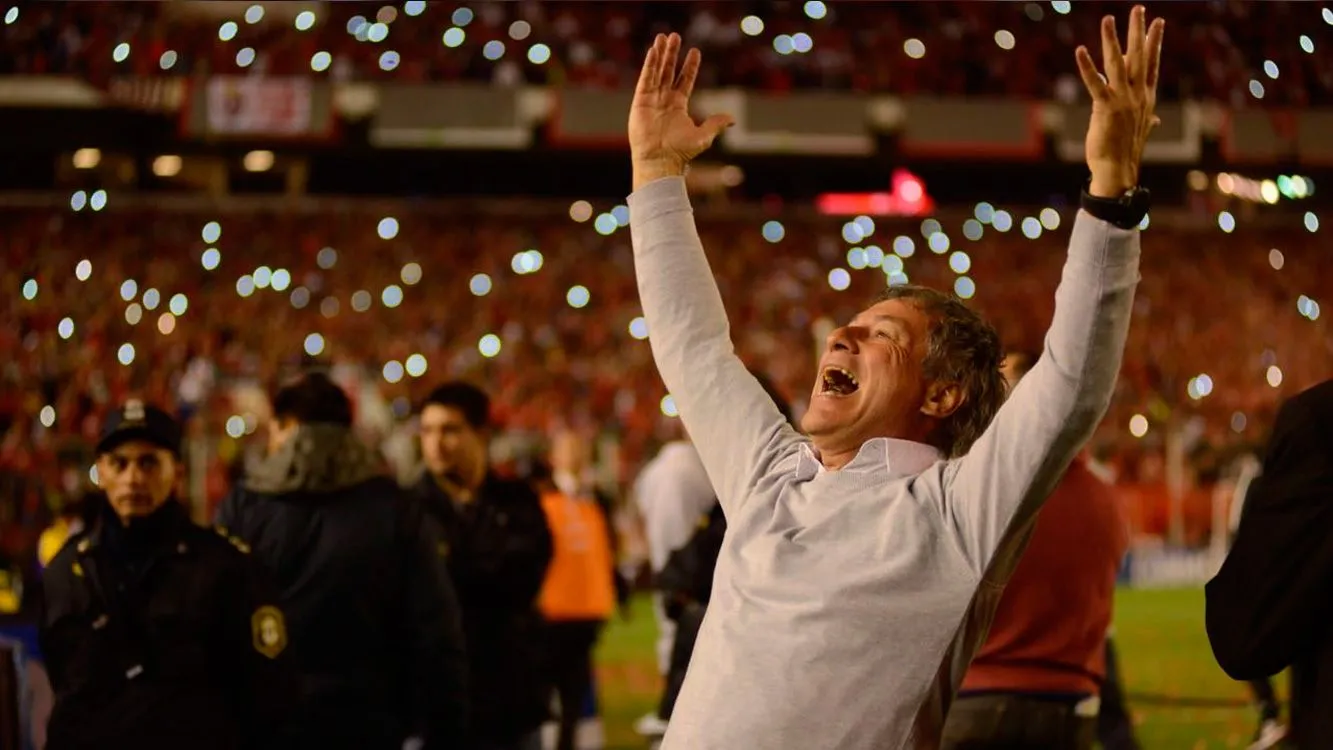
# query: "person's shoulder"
512,491
1316,400
217,542
65,559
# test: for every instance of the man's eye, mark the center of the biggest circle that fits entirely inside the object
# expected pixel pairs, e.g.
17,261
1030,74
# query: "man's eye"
883,334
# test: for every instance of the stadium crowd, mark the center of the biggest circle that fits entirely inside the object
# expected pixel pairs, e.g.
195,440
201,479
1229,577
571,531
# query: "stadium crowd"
906,48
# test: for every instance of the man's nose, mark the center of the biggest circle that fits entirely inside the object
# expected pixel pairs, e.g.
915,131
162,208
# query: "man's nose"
842,339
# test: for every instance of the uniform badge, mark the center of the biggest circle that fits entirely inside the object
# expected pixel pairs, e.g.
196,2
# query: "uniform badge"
269,631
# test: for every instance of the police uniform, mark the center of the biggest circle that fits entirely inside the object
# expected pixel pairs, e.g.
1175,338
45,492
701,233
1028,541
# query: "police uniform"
160,633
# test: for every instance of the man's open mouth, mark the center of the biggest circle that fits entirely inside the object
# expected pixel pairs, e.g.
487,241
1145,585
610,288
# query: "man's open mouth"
836,381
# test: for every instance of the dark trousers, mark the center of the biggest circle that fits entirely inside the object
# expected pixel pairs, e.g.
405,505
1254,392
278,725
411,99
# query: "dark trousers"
569,651
1009,721
1114,729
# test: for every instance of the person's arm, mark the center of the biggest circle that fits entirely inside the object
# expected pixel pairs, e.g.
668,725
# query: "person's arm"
506,565
1270,599
259,676
1002,481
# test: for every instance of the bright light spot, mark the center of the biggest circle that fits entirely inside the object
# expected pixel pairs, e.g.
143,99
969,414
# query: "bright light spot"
282,278
1328,16
493,50
1138,425
11,15
227,31
1268,191
125,354
87,158
393,371
480,285
527,261
959,262
1031,228
387,14
462,17
489,345
875,256
1270,68
621,215
783,45
414,7
1147,220
892,264
578,296
939,243
166,323
1199,386
326,258
638,328
520,30
1307,44
856,258
263,277
92,474
1226,222
168,60
972,229
411,273
97,202
377,32
1273,375
78,200
304,20
852,233
914,48
133,314
328,307
605,224
254,14
964,287
904,247
121,53
453,37
1238,422
815,9
300,297
212,231
866,224
580,211
65,328
245,286
245,56
30,289
47,415
801,42
388,228
1311,221
539,54
361,300
1050,219
1256,88
415,365
669,406
1004,39
129,289
320,61
314,344
392,296
839,279
1002,221
984,212
389,60
152,298
167,165
773,231
178,305
235,427
752,25
1060,6
897,279
929,227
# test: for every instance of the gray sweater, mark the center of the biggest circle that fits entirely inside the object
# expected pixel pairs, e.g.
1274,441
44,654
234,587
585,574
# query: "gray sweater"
847,604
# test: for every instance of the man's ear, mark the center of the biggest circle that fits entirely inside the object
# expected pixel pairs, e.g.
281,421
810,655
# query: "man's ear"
943,399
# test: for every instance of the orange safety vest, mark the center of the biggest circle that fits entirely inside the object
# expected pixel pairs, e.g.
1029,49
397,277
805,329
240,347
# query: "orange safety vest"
578,583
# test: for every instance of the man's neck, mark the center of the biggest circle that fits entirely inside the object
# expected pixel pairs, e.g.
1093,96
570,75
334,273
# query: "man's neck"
461,489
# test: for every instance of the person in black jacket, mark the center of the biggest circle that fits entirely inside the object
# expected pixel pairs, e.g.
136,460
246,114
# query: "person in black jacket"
1268,607
376,636
499,546
158,633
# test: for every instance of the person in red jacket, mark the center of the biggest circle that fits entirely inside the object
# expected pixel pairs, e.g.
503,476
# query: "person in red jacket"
1035,683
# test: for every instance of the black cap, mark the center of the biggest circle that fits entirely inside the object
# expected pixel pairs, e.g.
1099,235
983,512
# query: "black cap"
139,421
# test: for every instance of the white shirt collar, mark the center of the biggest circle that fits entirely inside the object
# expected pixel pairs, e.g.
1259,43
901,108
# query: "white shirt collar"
899,457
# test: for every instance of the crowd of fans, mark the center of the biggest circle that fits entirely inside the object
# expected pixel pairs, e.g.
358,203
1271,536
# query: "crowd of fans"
1220,49
1220,333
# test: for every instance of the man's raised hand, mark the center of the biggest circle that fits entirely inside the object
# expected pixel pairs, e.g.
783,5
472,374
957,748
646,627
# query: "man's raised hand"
1122,102
663,137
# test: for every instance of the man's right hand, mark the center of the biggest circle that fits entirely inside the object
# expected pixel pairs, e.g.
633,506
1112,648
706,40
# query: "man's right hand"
663,137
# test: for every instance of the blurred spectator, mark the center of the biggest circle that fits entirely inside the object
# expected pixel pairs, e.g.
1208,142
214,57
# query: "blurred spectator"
376,633
498,547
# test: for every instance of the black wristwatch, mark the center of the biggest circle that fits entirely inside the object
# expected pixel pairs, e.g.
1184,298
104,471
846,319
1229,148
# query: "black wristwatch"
1125,212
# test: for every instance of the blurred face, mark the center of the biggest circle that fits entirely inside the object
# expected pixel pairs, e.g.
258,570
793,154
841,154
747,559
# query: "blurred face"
569,453
870,382
450,447
137,477
279,432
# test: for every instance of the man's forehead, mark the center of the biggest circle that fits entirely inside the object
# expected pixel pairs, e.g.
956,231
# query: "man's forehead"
439,414
903,312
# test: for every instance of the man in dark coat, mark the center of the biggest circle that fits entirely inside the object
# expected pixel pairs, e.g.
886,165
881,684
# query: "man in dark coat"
157,633
499,546
375,626
1268,608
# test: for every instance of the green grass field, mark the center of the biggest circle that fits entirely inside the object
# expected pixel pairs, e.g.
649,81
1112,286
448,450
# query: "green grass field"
1163,652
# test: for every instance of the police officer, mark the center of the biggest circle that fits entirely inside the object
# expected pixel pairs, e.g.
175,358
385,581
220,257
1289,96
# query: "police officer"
157,633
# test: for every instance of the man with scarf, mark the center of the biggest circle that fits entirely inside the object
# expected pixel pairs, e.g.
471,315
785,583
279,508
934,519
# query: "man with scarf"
157,633
374,621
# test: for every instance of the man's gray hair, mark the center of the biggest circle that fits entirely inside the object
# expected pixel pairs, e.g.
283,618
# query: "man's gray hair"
964,349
